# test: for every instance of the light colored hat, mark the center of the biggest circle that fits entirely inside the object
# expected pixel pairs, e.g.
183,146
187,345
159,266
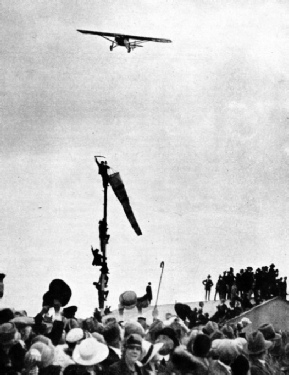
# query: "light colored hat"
245,320
128,299
227,350
90,352
133,327
149,350
47,353
74,335
21,321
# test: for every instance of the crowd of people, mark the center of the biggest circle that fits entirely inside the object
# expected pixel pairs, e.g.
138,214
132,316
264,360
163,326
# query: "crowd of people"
61,344
260,285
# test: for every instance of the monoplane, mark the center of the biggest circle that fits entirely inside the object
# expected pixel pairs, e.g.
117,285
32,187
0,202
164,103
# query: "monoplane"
130,42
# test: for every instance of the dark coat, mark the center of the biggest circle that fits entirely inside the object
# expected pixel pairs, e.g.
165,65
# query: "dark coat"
120,368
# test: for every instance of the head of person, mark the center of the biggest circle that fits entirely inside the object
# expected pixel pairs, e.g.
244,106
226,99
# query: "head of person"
132,348
240,366
112,334
257,345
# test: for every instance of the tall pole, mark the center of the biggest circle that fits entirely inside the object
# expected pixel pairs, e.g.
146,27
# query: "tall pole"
103,236
155,310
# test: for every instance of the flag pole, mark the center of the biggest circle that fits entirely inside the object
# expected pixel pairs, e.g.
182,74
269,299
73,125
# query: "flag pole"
155,310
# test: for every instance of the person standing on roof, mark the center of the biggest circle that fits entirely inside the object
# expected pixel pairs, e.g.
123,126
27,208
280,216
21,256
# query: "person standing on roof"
208,283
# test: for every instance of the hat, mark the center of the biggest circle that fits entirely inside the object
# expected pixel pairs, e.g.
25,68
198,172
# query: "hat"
257,343
128,299
7,333
111,332
217,335
226,349
133,339
90,352
133,327
69,312
245,320
149,350
74,335
21,321
210,327
228,331
43,339
182,310
60,291
240,365
269,332
167,331
6,315
156,326
47,353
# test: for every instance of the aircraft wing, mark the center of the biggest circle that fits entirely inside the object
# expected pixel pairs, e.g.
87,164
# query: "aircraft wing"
142,38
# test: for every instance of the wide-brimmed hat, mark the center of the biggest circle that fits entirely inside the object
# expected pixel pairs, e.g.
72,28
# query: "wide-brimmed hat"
269,332
149,350
7,333
69,312
90,352
257,343
23,321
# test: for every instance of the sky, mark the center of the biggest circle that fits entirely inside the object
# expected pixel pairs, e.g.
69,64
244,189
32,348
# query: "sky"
197,128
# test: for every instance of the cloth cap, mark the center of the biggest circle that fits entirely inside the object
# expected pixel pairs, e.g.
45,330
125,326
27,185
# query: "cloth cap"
90,352
7,333
257,343
245,320
74,335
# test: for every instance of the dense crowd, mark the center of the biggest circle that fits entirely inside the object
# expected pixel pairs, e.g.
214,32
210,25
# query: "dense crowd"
59,343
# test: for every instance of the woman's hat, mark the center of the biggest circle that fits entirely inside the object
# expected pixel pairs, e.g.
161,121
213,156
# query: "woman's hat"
133,340
149,350
170,333
47,353
90,352
257,343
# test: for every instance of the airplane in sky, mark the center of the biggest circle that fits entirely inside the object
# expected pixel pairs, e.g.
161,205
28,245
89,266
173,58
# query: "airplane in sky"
124,40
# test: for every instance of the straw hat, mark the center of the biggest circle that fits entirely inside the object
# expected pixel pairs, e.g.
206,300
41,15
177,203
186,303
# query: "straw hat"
90,352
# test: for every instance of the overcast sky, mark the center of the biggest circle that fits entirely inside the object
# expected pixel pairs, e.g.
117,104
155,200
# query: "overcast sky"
198,130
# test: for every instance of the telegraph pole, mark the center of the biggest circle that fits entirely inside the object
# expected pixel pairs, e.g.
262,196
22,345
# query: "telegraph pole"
103,237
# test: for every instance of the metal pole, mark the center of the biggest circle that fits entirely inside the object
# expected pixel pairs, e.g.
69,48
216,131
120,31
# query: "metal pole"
155,310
